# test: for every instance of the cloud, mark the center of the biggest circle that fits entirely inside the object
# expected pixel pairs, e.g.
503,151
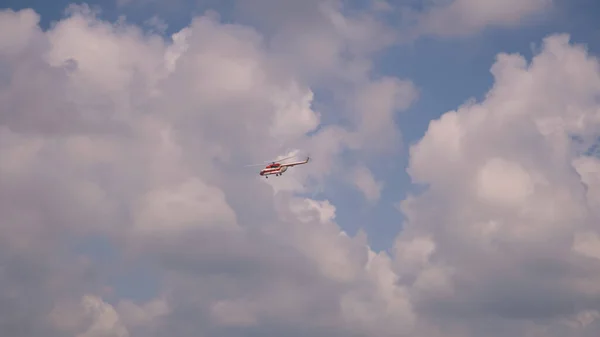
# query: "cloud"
326,42
364,181
141,141
505,233
317,34
451,18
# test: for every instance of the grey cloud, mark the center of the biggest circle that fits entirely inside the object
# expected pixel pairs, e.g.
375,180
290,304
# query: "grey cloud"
465,17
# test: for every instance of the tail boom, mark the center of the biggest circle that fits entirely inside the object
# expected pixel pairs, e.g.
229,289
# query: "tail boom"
297,163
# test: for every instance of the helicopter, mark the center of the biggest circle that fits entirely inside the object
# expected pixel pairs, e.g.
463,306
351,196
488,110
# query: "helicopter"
276,168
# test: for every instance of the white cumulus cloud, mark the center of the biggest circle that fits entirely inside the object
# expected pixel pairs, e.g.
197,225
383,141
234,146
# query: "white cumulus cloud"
463,17
109,132
506,232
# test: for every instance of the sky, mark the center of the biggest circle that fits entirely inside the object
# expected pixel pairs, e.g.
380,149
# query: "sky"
453,188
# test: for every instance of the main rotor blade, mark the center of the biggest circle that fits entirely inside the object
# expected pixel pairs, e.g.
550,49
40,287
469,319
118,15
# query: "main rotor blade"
284,159
269,161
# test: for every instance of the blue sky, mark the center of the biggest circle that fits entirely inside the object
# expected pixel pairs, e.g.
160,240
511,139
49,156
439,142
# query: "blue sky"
446,71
